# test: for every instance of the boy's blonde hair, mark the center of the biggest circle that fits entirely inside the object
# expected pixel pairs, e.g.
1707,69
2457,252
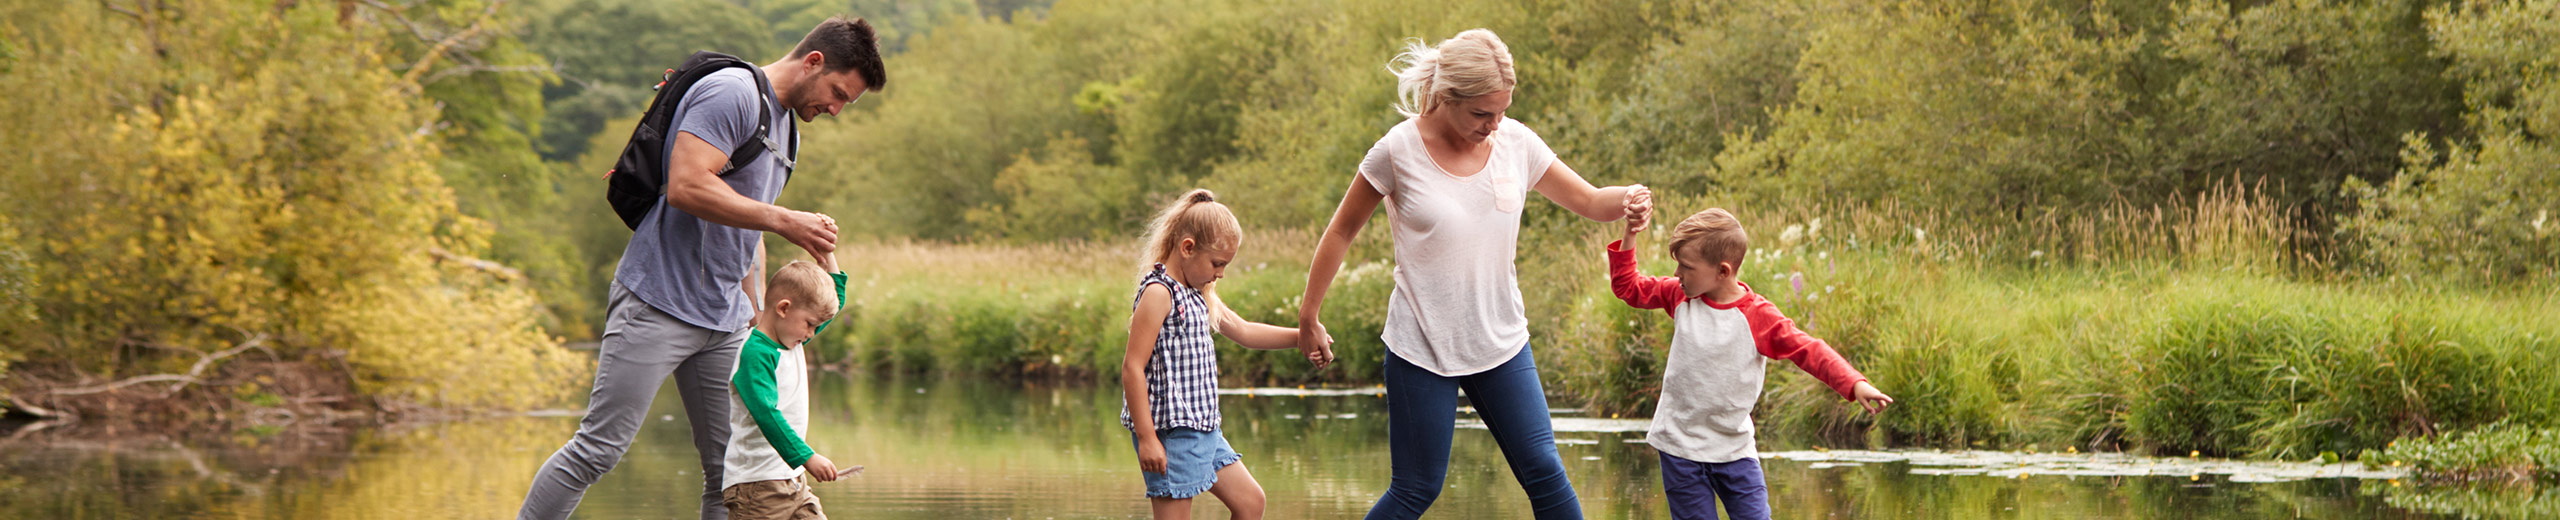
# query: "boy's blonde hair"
1198,216
806,285
1710,237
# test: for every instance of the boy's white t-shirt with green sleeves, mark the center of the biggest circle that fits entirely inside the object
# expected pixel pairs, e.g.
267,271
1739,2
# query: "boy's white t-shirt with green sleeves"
769,409
1456,307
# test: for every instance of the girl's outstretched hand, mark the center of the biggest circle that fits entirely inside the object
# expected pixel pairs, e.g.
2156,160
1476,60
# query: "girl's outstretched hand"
1315,343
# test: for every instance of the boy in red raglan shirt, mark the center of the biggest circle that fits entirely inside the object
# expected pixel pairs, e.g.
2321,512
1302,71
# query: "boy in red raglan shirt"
1723,335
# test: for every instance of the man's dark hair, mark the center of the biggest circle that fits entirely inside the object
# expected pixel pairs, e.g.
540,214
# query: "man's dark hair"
848,44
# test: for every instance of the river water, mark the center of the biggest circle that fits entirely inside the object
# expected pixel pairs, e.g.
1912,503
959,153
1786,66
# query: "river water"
960,448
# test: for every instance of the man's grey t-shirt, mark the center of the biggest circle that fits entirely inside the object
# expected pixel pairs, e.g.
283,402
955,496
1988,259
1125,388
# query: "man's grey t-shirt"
689,267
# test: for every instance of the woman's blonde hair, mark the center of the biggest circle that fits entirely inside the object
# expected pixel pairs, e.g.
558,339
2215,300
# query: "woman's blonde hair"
1473,63
1198,216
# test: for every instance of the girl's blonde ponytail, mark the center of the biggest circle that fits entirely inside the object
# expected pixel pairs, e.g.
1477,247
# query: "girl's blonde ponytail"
1195,215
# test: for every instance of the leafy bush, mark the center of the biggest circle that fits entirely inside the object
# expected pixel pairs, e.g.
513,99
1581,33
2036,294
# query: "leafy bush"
2497,451
219,182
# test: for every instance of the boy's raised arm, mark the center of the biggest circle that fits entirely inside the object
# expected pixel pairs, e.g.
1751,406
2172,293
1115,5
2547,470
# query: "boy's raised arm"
1638,290
841,303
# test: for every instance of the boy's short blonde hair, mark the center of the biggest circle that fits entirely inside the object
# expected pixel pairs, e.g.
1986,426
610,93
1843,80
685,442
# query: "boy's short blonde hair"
1710,237
806,285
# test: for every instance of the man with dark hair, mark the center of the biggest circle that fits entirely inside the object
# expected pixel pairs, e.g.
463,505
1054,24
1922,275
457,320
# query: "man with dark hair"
687,283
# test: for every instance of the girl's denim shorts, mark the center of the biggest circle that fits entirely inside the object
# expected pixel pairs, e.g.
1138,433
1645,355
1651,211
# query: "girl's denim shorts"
1192,459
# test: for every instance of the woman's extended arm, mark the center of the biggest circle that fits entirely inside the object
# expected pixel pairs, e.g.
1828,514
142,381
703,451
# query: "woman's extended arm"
1357,204
1567,188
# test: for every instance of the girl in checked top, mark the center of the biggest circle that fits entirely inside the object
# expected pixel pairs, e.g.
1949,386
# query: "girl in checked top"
1169,379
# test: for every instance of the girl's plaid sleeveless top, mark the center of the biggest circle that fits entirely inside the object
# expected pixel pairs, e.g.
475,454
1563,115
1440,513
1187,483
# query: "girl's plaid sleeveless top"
1182,374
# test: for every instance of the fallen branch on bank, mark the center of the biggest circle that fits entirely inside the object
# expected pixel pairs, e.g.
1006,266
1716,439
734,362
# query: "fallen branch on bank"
194,374
14,404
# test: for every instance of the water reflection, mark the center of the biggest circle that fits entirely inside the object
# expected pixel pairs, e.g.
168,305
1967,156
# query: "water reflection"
942,449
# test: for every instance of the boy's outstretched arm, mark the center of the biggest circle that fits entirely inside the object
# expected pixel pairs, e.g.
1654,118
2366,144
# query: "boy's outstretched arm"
1257,336
1778,337
1638,290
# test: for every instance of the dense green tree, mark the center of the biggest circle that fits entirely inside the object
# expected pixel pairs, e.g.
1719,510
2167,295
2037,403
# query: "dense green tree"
2303,94
2483,207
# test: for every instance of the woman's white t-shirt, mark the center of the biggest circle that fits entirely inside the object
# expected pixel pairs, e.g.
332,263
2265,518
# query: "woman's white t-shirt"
1456,307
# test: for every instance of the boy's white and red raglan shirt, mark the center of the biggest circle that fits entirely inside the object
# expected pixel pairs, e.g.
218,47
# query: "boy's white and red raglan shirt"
1719,352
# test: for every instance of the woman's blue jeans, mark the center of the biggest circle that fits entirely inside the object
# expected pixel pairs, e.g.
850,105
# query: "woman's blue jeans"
1422,412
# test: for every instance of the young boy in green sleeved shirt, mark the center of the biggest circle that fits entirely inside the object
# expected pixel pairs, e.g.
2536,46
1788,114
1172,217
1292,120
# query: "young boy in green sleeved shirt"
769,403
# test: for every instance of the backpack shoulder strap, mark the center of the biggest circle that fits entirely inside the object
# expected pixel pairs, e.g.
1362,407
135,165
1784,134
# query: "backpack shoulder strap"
763,139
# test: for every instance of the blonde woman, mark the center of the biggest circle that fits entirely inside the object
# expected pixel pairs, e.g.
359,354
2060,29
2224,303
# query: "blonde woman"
1453,177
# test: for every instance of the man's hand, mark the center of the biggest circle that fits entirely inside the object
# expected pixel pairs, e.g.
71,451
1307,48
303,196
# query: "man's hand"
1868,396
812,232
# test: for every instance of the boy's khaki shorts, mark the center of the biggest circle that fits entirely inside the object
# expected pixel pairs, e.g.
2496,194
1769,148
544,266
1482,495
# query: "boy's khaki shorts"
771,499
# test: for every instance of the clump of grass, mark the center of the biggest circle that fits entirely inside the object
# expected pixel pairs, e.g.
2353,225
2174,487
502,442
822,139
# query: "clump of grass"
2498,452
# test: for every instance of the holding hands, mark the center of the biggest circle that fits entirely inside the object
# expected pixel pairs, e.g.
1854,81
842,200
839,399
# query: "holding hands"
1314,342
811,231
1639,208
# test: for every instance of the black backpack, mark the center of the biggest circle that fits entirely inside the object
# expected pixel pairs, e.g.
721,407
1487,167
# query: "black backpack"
639,178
